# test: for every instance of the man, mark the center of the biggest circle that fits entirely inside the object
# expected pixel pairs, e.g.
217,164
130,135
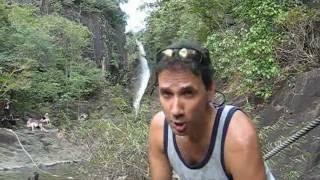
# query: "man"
6,109
192,137
35,176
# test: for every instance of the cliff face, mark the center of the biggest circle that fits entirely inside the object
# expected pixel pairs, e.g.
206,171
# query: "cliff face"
295,104
108,32
108,40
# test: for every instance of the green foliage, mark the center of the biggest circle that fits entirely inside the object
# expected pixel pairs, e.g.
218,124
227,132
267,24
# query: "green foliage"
14,64
132,48
120,147
248,53
242,36
184,19
211,13
110,8
170,22
248,57
41,58
121,104
293,175
253,12
118,142
66,34
227,43
3,14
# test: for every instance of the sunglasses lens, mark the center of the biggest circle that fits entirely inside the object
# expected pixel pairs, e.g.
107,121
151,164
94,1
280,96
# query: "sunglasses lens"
168,52
184,54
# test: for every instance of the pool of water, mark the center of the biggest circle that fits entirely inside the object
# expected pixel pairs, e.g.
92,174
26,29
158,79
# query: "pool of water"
59,172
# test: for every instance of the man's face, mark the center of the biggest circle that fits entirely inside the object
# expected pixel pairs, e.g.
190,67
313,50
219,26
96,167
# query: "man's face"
184,99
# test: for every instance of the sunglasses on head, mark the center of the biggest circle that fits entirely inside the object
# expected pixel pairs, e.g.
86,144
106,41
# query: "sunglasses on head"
183,54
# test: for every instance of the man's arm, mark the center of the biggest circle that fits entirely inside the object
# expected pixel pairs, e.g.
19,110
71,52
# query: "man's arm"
243,158
159,165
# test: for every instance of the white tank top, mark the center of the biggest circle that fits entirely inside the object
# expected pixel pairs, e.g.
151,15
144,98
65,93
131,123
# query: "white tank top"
212,167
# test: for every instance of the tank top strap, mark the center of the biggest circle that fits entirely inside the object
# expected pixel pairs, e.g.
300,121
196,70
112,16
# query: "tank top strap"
165,136
225,118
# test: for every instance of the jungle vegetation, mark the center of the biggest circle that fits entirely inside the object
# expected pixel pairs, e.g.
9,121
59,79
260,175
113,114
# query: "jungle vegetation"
254,45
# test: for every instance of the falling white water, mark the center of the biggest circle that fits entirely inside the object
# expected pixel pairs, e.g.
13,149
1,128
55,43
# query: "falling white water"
143,77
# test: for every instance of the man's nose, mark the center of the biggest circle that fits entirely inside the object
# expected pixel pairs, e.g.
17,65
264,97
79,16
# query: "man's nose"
177,108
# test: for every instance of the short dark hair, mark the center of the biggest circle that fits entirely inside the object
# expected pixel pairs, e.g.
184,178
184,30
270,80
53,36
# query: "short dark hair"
201,68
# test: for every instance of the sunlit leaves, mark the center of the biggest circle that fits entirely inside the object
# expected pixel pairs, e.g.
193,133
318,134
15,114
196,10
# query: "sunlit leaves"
171,21
248,52
41,57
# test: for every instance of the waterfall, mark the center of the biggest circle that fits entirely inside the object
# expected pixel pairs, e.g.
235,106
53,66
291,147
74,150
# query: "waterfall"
143,77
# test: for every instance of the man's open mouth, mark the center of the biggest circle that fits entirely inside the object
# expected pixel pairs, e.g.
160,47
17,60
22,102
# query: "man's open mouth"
180,126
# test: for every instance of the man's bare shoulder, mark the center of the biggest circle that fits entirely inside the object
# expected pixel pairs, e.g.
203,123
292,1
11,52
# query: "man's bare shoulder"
243,156
241,131
157,122
156,132
159,163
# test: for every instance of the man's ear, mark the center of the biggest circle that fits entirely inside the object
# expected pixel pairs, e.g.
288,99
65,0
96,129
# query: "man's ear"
212,91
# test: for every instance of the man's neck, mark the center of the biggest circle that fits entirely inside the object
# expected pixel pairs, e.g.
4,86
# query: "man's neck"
202,130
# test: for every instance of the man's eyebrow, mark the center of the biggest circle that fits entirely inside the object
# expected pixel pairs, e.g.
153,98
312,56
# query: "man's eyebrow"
164,89
188,88
185,87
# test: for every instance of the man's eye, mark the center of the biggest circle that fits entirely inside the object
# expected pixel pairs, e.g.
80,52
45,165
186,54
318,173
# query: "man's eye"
166,94
188,93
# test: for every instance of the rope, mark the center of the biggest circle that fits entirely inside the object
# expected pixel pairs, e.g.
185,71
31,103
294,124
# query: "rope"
293,138
26,152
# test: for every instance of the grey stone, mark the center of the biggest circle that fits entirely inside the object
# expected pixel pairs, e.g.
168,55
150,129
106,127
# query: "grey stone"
290,109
